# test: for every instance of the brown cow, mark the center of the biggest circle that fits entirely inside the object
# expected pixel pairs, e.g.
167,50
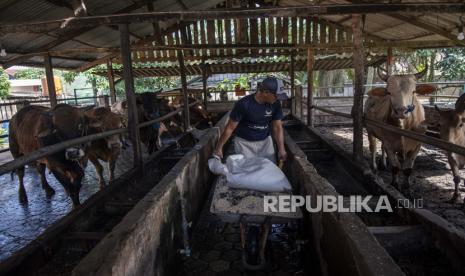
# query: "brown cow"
197,112
148,135
452,129
34,127
397,105
107,149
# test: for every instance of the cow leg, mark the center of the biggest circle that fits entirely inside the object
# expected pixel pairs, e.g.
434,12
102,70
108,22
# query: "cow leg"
395,166
22,191
383,164
99,169
49,191
408,165
111,169
455,172
372,145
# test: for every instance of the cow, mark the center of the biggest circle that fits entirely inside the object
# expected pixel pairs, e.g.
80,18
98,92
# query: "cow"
148,135
397,105
197,112
451,125
107,149
34,127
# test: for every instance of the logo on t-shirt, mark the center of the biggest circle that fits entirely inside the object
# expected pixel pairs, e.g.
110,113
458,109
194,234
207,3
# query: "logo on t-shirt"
268,113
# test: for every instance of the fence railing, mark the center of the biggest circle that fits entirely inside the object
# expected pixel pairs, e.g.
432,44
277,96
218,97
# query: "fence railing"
49,150
10,107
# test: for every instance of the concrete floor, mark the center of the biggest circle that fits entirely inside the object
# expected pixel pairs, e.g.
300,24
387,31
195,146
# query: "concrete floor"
21,224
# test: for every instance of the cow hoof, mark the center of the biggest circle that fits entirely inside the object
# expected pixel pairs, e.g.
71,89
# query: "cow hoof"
23,198
49,192
453,199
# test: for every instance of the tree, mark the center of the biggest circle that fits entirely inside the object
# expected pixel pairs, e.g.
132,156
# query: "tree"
29,74
4,84
452,63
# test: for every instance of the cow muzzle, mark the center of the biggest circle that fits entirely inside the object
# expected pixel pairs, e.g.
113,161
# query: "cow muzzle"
74,153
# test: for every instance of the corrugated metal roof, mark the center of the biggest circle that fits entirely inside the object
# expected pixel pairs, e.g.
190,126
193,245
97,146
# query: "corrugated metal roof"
223,67
385,27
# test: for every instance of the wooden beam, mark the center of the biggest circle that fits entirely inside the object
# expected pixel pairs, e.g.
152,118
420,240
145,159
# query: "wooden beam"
359,68
189,15
310,63
186,117
111,81
133,120
50,80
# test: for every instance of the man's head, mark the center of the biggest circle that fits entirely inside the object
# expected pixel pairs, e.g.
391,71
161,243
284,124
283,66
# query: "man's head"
269,90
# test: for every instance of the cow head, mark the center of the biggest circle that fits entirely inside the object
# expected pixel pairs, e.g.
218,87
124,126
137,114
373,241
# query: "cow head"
102,119
451,121
401,90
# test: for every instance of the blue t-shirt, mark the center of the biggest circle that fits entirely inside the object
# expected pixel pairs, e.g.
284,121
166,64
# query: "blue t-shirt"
255,119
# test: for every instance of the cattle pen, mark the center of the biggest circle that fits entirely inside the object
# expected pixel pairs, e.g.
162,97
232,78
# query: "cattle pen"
154,218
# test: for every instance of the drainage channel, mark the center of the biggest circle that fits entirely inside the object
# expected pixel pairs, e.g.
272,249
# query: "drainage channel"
61,247
407,242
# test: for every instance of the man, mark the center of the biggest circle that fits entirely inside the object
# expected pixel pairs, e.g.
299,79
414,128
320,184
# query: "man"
254,117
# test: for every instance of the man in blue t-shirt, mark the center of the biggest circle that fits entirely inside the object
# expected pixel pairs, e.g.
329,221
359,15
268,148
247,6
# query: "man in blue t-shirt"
254,118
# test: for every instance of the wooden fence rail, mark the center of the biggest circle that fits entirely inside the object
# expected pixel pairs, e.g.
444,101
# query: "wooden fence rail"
46,151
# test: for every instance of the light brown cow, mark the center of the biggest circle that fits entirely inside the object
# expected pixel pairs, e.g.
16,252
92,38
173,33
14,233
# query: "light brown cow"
107,149
452,129
397,105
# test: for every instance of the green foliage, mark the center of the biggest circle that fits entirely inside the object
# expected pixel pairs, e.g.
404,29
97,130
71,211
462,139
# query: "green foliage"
29,74
452,63
4,84
3,141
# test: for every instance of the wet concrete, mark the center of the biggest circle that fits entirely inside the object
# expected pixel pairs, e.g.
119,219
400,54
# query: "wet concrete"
21,224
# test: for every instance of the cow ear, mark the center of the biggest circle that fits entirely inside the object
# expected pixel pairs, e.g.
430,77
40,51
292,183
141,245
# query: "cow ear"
424,89
378,92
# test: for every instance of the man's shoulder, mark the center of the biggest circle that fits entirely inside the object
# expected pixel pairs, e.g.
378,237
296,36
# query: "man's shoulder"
244,100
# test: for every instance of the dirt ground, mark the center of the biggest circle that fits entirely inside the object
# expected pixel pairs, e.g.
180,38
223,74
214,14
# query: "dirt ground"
431,179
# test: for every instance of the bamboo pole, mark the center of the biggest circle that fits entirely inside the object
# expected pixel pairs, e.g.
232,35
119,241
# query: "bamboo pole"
130,95
50,80
310,63
111,81
357,109
204,83
291,73
185,114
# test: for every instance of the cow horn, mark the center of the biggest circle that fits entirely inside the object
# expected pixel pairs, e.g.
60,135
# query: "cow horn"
460,104
382,76
421,74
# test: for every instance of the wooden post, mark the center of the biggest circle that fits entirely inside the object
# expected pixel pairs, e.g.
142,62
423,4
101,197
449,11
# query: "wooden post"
204,82
130,95
389,61
291,73
357,109
94,90
186,116
50,80
111,81
310,60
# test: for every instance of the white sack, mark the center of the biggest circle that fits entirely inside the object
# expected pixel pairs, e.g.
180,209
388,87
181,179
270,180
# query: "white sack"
254,173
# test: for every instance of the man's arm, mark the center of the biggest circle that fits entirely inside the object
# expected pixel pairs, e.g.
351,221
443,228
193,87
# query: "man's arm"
278,135
230,127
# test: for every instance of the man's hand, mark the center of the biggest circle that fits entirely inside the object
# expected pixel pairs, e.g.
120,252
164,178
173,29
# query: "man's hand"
219,153
282,154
